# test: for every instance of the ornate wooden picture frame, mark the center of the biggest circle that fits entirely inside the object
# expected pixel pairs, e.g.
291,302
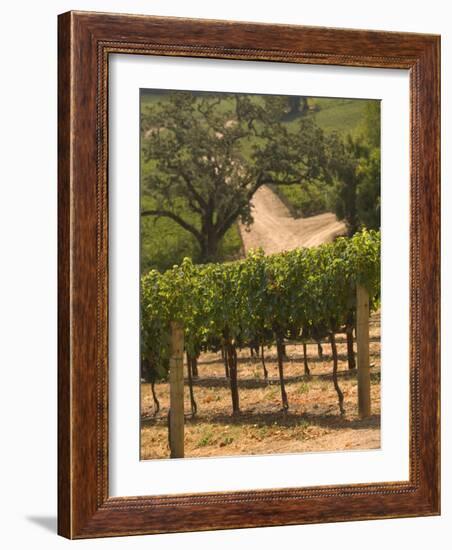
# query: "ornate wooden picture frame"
86,40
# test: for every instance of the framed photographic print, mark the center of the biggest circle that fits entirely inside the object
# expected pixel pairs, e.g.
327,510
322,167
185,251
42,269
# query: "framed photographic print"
248,275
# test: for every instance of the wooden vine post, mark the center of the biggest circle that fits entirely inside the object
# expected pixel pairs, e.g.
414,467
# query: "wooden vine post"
176,378
362,341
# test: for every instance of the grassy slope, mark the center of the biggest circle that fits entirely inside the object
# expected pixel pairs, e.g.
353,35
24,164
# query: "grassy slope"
345,116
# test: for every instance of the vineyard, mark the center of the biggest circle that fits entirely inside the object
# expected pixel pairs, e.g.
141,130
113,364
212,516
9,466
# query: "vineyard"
260,303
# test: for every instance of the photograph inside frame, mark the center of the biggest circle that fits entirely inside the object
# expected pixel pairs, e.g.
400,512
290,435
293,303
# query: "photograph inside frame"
260,274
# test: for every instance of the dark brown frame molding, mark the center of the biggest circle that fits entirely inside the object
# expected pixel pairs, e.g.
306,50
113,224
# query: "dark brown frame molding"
84,44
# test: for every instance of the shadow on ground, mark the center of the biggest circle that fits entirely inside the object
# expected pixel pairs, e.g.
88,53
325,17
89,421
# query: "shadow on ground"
253,417
294,356
256,383
49,523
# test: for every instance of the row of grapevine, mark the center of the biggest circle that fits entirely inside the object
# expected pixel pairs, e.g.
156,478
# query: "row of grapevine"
303,294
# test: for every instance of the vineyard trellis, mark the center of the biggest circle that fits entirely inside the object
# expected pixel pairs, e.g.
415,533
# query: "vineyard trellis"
306,294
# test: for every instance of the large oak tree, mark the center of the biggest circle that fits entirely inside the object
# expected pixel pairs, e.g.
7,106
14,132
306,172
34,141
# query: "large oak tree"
207,154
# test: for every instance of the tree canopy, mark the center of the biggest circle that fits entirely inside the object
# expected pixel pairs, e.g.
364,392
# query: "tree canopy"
355,168
207,154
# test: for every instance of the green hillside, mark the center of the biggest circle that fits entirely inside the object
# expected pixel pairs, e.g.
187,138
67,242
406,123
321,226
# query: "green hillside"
344,116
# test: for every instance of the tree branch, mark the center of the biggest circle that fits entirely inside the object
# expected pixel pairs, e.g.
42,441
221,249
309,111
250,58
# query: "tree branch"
176,218
202,203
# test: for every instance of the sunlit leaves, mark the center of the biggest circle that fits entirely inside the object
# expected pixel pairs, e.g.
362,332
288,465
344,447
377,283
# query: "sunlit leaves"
299,293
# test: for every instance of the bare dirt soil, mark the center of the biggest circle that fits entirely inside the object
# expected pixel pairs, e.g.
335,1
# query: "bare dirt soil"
275,230
313,422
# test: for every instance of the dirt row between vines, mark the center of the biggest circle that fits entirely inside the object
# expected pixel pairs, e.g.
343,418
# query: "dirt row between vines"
313,422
